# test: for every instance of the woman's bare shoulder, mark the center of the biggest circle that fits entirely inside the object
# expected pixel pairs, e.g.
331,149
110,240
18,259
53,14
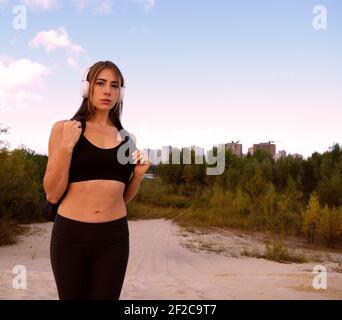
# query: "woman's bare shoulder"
60,121
58,124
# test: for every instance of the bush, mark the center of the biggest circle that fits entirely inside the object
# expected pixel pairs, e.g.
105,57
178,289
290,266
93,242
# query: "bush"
278,252
330,225
9,230
156,193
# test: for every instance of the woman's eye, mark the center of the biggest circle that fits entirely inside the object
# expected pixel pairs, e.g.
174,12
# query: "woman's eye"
99,83
115,86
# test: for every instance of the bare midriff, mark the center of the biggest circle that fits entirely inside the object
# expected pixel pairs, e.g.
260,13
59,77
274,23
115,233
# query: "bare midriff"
94,201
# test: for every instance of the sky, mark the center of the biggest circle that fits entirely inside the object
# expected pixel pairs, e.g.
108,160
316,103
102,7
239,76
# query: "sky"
197,72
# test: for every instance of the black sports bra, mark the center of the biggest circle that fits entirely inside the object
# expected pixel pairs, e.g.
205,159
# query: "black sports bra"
90,162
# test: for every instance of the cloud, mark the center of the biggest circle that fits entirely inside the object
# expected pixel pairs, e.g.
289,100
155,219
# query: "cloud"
54,39
20,91
41,4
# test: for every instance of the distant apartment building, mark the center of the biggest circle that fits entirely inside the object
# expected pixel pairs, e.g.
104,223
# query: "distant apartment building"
235,148
297,155
280,154
264,146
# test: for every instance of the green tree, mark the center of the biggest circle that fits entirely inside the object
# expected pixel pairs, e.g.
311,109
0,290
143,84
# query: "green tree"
311,218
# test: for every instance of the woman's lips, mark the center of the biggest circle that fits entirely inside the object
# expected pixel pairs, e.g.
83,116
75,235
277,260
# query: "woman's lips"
105,101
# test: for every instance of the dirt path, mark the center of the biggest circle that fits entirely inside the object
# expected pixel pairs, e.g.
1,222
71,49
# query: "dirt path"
167,262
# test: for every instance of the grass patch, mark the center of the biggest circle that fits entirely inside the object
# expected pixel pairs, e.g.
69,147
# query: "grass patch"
337,268
277,252
9,230
211,247
255,253
155,193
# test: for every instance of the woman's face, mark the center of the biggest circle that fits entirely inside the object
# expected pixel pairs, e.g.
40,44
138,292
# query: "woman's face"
106,90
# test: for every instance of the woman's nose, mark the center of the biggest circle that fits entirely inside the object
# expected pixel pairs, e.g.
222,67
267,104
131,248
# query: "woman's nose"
107,90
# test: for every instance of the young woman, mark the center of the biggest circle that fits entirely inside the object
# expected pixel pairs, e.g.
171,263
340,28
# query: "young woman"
101,169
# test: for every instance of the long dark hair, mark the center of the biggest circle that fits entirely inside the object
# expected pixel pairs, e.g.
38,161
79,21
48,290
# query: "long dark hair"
86,110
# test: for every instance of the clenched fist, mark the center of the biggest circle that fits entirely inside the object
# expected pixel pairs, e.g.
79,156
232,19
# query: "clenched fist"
71,133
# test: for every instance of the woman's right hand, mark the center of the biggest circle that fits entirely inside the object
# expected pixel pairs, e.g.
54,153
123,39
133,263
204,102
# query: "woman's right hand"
71,133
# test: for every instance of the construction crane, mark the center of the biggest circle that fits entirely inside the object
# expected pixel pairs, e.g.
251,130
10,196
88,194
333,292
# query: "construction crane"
269,142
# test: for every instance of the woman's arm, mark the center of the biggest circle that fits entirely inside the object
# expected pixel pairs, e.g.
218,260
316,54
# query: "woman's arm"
132,187
55,180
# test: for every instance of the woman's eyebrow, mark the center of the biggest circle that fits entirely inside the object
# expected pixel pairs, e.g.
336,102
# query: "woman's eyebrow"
106,80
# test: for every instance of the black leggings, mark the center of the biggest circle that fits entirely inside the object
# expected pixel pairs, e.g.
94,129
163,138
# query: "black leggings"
89,260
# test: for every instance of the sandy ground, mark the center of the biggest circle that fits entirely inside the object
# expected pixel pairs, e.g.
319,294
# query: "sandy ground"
168,262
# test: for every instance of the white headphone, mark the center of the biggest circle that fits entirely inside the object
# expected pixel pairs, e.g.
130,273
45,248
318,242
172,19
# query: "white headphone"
84,89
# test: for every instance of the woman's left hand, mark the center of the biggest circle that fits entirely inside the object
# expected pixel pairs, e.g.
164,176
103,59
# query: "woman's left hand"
142,162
